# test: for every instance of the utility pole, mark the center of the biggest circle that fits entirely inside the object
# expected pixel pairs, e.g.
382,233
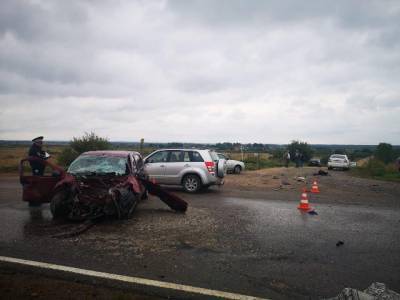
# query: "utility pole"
141,145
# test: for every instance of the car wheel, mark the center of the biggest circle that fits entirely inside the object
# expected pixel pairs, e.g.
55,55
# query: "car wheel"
330,168
237,169
191,183
133,207
145,195
128,202
58,205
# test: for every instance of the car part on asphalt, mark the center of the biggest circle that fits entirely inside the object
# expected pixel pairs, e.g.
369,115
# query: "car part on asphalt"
339,243
300,179
376,291
321,173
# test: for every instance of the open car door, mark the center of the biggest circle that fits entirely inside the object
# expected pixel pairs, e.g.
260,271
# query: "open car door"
39,189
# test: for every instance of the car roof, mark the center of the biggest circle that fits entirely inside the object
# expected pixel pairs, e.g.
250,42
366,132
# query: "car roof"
117,153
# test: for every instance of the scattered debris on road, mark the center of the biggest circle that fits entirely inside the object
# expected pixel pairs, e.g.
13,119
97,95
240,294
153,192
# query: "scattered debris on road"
339,243
300,179
376,291
321,173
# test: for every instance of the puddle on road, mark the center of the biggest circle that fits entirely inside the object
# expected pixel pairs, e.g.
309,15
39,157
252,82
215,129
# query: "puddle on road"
24,221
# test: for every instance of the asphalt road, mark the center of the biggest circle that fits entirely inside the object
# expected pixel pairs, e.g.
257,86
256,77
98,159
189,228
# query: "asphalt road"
261,247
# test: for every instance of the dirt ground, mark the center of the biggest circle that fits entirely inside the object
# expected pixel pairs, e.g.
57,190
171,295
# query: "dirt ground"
337,187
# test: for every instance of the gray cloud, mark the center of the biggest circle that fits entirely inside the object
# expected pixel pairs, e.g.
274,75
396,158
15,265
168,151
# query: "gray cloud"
205,71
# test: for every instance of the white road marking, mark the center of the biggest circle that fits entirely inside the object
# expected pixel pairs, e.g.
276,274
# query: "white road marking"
129,279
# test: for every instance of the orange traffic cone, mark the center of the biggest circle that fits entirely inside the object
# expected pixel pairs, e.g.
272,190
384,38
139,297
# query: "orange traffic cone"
304,201
314,187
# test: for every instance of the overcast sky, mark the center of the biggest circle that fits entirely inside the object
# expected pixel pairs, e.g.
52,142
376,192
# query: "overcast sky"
201,71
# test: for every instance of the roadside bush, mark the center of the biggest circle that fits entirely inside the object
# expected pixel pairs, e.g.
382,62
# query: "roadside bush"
375,167
384,152
278,153
303,148
378,170
67,156
252,164
88,142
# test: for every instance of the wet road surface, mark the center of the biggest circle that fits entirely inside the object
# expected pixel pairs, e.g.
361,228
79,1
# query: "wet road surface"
258,247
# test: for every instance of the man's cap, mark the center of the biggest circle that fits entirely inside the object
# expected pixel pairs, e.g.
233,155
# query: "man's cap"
36,139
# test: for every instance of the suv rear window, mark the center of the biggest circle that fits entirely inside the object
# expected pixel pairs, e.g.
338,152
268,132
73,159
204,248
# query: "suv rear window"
194,156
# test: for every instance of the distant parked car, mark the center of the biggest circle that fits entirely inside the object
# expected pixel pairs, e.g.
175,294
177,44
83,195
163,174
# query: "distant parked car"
316,162
193,169
234,166
340,161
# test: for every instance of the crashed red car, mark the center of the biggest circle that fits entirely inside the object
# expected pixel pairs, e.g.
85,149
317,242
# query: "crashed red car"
96,184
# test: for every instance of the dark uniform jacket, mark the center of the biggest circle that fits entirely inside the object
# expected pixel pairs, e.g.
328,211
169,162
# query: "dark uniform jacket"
37,166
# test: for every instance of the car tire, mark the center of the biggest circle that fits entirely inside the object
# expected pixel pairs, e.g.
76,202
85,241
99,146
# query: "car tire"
58,205
237,169
330,168
145,195
191,183
127,202
221,168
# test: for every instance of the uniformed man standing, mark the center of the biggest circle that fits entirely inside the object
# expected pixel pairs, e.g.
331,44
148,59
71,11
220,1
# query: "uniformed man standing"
36,151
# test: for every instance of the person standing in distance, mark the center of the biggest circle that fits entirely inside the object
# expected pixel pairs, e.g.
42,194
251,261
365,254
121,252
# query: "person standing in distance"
286,158
36,151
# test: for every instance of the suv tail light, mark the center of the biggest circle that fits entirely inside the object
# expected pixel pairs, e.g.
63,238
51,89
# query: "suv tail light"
210,166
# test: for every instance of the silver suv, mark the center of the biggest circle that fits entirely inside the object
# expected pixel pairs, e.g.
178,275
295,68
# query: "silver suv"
192,168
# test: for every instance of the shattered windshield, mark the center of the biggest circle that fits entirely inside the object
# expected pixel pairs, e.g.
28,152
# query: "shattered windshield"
98,165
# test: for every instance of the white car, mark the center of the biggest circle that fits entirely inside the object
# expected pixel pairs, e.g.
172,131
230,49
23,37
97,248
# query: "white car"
234,166
338,161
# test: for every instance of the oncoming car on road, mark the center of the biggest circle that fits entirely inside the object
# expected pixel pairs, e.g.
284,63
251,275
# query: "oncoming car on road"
340,161
193,169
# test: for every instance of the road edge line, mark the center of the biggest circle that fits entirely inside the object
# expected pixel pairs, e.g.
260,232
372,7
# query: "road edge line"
130,279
